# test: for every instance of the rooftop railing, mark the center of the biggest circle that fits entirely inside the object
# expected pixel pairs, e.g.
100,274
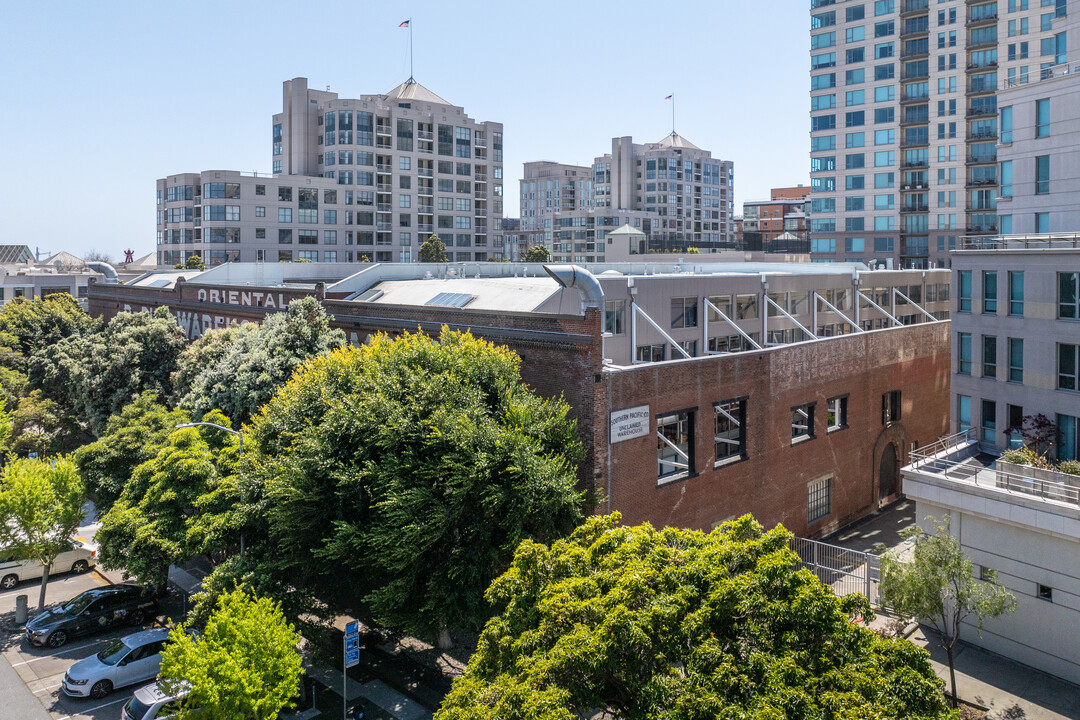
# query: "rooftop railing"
1040,241
951,457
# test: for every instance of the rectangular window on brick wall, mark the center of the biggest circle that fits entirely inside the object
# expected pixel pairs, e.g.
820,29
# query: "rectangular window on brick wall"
890,407
674,444
729,430
837,413
819,500
802,422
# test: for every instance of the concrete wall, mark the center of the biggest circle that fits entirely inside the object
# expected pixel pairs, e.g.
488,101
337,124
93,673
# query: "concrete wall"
1040,633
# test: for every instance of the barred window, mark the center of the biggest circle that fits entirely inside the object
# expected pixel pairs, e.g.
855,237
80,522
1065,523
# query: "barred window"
819,499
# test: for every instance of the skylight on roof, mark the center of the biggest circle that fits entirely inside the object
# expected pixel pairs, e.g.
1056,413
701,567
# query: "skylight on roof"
449,299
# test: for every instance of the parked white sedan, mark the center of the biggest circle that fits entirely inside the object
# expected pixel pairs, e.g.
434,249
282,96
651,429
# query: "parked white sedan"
125,661
78,558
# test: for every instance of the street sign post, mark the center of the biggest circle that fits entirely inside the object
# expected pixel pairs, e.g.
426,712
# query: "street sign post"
352,657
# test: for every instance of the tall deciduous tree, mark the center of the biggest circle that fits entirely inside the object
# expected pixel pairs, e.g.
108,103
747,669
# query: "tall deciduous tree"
407,471
938,585
146,530
130,438
433,250
637,622
257,361
99,373
245,666
34,324
40,509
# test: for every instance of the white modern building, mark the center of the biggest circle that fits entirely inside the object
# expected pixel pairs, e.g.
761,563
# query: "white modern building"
1023,526
1016,339
674,192
1039,154
370,178
904,120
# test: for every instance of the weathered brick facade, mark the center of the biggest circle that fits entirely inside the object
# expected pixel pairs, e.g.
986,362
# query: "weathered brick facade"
772,481
562,354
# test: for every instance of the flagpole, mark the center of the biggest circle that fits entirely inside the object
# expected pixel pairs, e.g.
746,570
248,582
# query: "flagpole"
411,76
672,113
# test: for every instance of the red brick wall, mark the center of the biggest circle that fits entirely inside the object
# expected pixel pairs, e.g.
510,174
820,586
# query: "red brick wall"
772,482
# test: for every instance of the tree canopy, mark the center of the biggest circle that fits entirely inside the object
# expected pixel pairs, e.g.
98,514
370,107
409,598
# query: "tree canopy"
245,666
35,324
40,509
433,250
146,529
129,439
938,584
256,361
406,472
645,623
99,373
539,253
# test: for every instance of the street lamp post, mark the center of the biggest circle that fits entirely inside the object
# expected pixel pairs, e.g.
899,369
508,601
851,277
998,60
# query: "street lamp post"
229,430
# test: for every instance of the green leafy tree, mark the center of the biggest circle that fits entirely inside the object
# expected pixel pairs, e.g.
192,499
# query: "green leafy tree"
130,438
537,254
146,529
30,325
433,251
194,262
42,426
638,623
204,352
938,584
245,666
98,374
407,471
40,509
258,361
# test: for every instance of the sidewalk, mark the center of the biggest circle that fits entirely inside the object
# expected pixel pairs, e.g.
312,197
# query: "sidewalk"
1009,690
19,703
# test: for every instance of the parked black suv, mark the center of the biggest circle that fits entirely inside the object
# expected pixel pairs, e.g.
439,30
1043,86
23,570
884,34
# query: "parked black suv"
92,611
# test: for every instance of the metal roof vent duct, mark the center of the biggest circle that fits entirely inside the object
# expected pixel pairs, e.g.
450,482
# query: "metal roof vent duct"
105,269
572,276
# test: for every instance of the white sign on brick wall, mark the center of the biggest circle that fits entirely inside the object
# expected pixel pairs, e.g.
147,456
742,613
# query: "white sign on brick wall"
629,423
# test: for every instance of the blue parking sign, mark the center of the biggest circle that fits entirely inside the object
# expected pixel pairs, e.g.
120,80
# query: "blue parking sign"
352,657
352,628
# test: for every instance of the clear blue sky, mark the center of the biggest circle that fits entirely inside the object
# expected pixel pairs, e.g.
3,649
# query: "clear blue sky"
102,98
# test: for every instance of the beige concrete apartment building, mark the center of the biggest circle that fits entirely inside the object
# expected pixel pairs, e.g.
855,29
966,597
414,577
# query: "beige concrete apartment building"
353,179
677,194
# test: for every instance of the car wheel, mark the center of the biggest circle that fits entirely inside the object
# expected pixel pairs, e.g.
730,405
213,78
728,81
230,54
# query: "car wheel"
100,689
9,582
80,566
57,638
138,617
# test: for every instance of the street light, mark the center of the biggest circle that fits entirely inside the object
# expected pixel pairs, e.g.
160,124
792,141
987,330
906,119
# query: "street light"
229,430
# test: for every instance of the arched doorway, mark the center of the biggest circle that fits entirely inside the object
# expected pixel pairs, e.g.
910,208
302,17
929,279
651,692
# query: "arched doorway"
888,474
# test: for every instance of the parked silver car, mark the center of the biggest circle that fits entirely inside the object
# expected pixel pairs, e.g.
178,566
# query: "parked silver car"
152,702
78,558
125,661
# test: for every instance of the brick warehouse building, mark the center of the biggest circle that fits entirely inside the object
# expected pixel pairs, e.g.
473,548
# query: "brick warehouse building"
797,393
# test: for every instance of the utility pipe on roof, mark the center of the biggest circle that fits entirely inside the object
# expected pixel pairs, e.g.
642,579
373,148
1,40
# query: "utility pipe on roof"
574,276
105,269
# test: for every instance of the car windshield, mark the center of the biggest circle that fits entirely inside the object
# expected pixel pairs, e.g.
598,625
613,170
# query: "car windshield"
136,709
113,653
80,603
